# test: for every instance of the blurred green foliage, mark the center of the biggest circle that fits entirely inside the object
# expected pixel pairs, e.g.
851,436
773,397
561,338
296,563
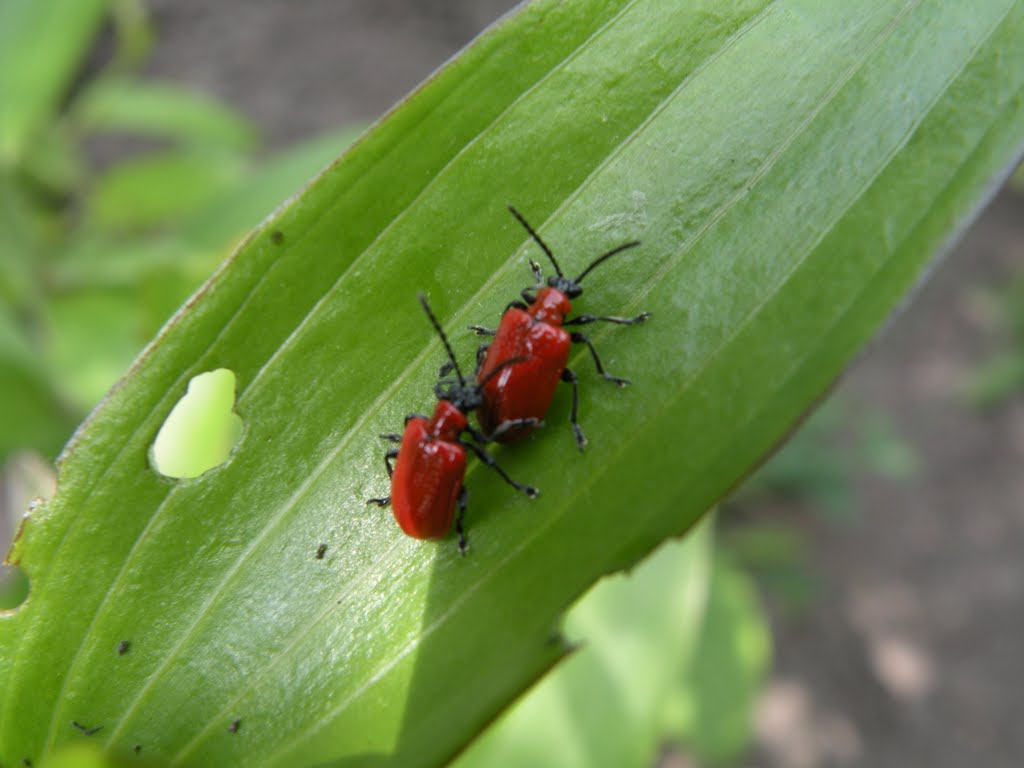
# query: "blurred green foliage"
819,463
24,478
675,652
814,471
1017,179
1002,375
101,246
13,588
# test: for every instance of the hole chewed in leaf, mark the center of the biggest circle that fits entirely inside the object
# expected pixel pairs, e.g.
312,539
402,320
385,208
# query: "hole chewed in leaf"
201,429
25,479
13,587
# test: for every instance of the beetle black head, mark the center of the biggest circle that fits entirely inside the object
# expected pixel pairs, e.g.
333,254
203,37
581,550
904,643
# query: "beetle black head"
567,285
465,397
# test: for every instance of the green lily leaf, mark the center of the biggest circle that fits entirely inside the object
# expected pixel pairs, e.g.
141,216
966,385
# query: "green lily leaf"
791,167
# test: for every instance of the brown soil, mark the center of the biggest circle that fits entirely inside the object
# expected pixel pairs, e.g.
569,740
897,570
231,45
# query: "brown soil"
911,655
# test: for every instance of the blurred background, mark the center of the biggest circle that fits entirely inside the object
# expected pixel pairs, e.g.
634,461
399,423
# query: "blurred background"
881,548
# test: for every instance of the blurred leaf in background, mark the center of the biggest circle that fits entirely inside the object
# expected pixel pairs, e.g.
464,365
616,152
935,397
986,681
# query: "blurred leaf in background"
23,479
813,473
819,462
711,709
671,655
673,652
102,251
1017,179
1002,375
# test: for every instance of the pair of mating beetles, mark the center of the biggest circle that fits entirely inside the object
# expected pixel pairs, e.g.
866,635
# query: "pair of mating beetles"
514,384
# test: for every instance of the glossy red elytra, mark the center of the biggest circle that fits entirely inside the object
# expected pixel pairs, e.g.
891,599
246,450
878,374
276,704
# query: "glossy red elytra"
534,331
430,462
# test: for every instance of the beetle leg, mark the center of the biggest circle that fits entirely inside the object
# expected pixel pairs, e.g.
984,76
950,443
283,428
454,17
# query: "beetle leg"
584,319
487,459
570,378
517,304
445,369
504,427
391,437
392,454
579,338
481,353
388,456
409,417
459,529
479,330
511,424
528,296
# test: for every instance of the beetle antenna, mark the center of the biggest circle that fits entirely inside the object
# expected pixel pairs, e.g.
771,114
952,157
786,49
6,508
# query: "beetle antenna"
604,257
536,237
444,339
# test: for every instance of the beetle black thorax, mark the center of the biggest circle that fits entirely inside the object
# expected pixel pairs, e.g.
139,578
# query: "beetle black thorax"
465,397
566,285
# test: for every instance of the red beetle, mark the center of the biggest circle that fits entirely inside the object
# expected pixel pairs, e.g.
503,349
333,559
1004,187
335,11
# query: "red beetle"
517,396
426,482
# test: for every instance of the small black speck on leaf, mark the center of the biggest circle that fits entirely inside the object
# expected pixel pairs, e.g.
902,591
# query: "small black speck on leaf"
122,647
277,237
321,551
85,730
233,728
